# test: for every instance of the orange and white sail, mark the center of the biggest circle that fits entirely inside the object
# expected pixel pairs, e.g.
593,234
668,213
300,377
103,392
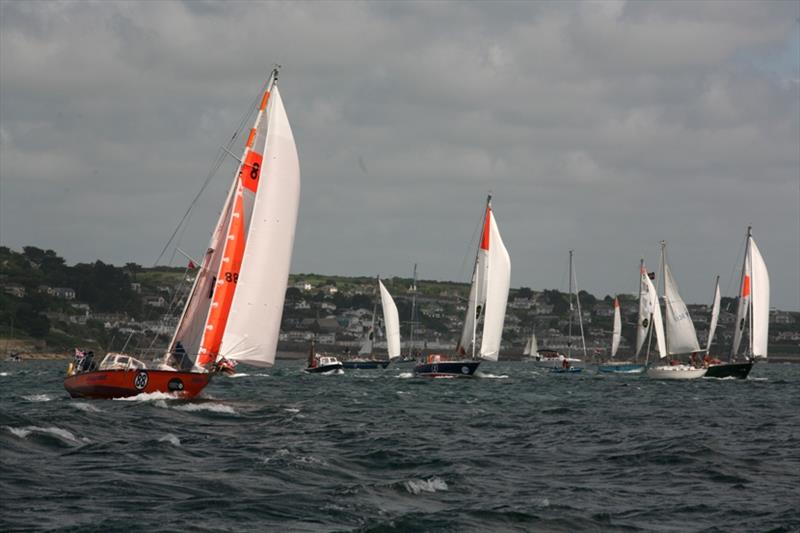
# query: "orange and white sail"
488,292
753,300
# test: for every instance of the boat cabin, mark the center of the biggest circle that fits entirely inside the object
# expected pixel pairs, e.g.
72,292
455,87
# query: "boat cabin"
323,360
434,358
118,361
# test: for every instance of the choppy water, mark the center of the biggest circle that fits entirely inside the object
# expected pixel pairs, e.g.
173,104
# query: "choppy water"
519,450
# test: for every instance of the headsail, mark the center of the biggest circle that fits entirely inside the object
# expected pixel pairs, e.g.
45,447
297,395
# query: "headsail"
498,281
617,333
254,322
681,336
759,331
714,316
391,321
658,324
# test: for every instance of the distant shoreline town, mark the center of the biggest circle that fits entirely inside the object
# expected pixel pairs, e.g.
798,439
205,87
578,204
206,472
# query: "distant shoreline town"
47,308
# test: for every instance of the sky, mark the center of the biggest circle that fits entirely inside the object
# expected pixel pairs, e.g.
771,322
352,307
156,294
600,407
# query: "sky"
602,127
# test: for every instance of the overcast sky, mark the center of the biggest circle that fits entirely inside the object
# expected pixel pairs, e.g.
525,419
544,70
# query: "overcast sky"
602,127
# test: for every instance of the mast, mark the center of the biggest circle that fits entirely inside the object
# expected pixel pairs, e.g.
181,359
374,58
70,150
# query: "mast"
413,308
477,293
578,303
664,294
715,302
569,335
477,312
749,256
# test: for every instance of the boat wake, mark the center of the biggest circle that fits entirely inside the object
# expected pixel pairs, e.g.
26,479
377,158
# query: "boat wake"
418,486
149,397
405,375
480,374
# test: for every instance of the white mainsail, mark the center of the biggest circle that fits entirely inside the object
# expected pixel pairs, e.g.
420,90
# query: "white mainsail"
251,334
681,335
617,332
759,328
714,316
498,281
391,321
477,298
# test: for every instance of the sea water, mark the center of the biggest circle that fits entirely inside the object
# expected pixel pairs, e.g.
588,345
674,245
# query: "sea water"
518,449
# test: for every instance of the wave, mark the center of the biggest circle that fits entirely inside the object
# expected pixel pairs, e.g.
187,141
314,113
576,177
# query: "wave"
61,434
418,486
3,374
211,407
170,438
37,398
86,407
405,375
291,410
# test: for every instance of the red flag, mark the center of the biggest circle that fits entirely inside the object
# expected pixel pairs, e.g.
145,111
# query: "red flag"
191,264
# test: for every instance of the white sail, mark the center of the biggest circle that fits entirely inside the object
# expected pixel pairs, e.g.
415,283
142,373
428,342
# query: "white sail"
714,316
658,324
681,336
760,301
251,334
497,283
743,301
391,321
534,345
477,300
617,332
646,304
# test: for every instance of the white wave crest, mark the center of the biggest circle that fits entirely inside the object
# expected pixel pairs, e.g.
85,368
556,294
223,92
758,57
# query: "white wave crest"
292,410
61,433
86,407
4,374
149,397
37,398
418,486
239,375
170,438
490,376
405,375
212,407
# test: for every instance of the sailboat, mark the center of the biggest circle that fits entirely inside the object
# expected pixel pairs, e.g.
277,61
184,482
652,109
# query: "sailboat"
413,352
488,296
566,363
391,323
531,346
680,337
753,304
614,366
233,310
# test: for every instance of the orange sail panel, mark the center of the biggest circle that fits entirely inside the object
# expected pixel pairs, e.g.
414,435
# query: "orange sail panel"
486,226
251,170
746,286
227,279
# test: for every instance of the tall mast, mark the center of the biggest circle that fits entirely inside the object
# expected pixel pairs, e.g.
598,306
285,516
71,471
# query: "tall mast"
569,335
578,305
664,293
413,308
749,255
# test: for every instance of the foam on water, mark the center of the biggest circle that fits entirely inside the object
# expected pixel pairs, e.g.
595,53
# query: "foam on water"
239,375
3,374
149,397
37,398
480,374
292,410
418,486
405,375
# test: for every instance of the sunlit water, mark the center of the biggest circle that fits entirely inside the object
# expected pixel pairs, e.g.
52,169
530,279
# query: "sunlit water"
379,450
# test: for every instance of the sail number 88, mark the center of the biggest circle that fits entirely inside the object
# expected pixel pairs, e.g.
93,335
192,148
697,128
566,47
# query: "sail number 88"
232,276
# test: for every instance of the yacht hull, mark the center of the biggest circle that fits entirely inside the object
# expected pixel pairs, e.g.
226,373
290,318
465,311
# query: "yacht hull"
108,384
